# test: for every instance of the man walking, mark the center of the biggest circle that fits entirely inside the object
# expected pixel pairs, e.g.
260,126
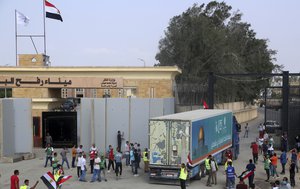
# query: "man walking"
102,168
119,140
79,158
83,169
96,171
118,159
73,156
251,167
283,161
127,151
49,152
48,139
111,158
246,131
273,165
93,153
230,175
208,170
254,147
64,157
14,180
183,176
214,169
146,160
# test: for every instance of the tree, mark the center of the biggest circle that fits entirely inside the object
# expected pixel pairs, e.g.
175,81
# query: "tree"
212,38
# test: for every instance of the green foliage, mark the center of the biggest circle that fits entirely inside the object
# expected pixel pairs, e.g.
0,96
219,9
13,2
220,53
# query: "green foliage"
212,38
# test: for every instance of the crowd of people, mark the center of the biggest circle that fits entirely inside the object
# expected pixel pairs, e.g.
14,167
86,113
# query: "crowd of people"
100,162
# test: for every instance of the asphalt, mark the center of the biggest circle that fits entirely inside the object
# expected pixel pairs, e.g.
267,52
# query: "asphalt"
33,170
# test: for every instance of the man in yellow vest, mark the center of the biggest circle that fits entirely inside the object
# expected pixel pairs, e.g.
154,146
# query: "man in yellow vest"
26,185
183,176
146,160
208,170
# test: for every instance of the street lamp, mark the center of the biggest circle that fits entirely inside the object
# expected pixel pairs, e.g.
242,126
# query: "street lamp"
142,61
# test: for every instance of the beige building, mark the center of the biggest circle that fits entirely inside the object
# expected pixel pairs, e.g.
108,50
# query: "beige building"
49,86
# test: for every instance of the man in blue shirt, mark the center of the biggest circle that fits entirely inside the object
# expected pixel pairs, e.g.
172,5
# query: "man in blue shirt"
230,174
251,167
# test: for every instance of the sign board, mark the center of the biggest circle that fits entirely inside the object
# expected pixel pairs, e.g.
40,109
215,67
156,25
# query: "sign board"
60,82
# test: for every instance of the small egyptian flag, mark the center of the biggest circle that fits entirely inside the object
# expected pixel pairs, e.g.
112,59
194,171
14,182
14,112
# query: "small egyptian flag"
52,12
49,180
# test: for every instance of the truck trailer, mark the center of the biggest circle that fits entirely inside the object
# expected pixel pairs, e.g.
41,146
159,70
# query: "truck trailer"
188,137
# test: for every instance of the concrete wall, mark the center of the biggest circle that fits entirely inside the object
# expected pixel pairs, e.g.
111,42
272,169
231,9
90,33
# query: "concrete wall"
16,134
100,119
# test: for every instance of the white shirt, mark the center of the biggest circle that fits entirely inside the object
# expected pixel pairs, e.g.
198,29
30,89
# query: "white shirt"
96,165
213,166
79,161
83,163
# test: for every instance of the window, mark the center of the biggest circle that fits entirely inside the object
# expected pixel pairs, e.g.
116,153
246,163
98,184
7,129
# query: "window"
64,93
94,93
120,93
79,93
106,93
130,92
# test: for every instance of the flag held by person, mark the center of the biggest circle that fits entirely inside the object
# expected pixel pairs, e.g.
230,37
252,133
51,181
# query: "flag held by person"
49,180
52,12
22,19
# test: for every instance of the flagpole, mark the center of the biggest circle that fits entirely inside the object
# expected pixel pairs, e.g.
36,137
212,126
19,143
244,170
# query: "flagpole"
44,14
16,39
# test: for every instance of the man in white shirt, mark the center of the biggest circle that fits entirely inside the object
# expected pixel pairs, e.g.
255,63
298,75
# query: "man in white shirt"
96,171
79,164
83,169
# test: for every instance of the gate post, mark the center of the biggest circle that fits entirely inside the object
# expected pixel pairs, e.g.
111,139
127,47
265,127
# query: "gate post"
285,102
211,82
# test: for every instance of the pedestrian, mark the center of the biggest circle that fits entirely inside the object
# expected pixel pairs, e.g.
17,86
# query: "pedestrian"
271,140
139,154
254,147
265,148
48,139
79,158
83,169
118,159
266,136
283,161
241,185
214,169
230,175
183,176
284,142
80,150
102,168
294,158
225,168
146,160
49,152
292,173
260,145
74,152
26,185
285,184
208,169
273,165
228,154
64,157
261,131
93,153
111,158
96,171
131,154
270,150
127,151
297,143
267,163
119,139
54,162
14,180
251,167
58,172
246,131
135,163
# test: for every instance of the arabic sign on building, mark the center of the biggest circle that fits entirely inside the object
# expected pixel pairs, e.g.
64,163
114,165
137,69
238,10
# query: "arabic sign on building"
60,82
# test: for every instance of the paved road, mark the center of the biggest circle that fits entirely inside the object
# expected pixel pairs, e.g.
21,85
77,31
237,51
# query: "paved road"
33,169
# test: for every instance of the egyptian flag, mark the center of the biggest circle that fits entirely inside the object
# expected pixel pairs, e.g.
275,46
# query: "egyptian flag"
246,174
52,12
62,179
49,180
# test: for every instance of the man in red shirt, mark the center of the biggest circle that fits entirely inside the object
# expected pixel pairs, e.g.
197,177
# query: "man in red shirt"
254,147
14,180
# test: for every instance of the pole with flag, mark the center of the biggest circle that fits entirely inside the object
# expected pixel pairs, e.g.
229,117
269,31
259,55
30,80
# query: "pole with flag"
20,19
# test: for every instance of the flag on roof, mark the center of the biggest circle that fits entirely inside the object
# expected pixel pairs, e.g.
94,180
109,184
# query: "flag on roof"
52,12
22,19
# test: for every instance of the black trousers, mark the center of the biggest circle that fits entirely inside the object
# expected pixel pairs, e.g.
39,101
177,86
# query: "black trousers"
118,168
182,184
78,171
92,165
268,173
111,163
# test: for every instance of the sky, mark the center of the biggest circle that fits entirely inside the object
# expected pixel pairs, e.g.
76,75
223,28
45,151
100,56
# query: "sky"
127,33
